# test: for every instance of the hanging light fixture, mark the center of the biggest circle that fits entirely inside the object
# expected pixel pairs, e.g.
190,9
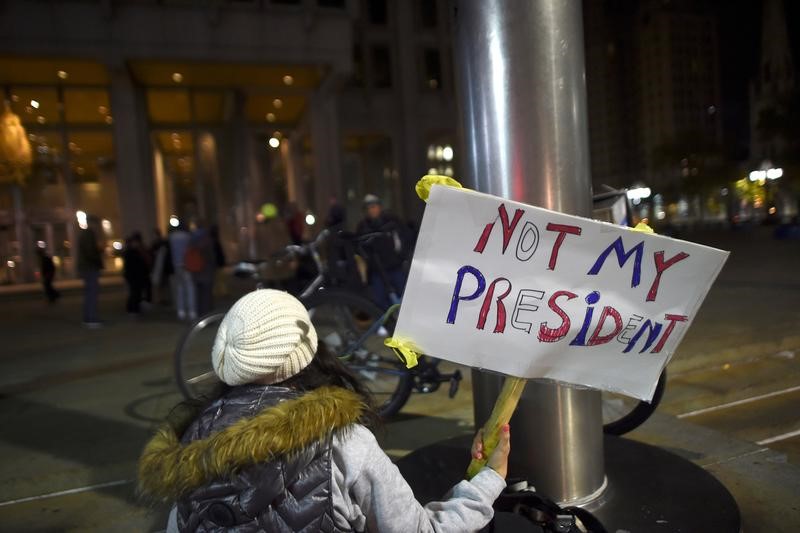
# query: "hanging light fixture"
15,148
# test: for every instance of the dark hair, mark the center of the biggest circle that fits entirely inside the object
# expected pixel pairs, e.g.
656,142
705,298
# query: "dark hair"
326,369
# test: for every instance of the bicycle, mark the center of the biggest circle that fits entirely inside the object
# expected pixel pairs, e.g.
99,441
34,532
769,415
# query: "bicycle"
351,326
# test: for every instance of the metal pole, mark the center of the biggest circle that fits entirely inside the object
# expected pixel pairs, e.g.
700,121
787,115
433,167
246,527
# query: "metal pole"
522,99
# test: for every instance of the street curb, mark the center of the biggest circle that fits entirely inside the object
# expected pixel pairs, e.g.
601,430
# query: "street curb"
64,286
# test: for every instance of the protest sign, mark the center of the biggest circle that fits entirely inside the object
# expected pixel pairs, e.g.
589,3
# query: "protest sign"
532,293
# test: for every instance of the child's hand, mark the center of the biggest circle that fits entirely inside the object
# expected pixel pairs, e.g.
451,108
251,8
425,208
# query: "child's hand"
498,460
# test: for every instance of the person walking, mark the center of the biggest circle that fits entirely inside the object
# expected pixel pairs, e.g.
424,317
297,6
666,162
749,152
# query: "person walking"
185,302
340,252
220,286
136,272
47,271
90,263
162,269
203,268
388,250
285,447
295,222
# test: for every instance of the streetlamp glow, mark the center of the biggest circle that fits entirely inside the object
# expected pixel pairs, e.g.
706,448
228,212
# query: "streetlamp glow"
774,173
447,153
768,174
638,193
81,216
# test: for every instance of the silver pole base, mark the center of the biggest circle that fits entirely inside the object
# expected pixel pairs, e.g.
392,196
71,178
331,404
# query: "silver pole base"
649,489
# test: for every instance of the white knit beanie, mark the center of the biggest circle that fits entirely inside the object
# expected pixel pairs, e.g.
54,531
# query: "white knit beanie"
267,336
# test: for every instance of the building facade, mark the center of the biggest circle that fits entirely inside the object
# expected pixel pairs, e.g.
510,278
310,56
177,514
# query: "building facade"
142,112
678,90
773,84
773,102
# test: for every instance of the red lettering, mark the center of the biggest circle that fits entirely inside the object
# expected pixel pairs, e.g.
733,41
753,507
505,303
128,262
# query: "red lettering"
661,266
596,339
500,323
548,334
562,230
508,228
672,319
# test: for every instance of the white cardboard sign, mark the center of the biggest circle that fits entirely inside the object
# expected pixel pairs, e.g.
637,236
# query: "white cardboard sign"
528,292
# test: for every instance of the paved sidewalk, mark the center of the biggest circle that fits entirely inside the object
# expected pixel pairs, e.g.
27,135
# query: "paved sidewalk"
25,289
76,406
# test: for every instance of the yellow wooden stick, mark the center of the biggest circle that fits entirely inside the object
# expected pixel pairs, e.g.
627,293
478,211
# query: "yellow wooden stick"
501,414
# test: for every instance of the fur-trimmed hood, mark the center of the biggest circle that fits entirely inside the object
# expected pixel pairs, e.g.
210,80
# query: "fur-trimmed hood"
169,469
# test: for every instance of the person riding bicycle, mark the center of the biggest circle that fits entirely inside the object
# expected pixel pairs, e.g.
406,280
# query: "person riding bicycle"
388,251
284,447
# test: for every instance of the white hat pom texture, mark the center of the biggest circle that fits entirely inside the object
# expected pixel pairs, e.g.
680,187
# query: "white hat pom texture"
267,336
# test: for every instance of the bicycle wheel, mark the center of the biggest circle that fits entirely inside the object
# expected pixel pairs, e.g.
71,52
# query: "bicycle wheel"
342,319
622,414
193,372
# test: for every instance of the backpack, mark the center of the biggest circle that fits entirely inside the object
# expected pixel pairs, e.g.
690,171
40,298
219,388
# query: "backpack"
193,260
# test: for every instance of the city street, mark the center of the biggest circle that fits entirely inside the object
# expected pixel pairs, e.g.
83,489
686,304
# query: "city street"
77,405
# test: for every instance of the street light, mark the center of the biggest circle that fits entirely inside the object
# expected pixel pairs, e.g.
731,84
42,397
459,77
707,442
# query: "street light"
768,174
82,220
638,193
774,173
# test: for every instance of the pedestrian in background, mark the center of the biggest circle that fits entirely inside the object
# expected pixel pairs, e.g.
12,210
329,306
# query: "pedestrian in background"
388,250
337,216
90,263
294,223
220,285
136,272
47,271
203,267
285,446
343,269
161,271
185,302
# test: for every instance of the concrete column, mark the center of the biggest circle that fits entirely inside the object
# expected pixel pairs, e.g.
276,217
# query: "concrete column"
291,162
134,166
327,148
69,188
410,150
522,99
243,168
208,175
25,270
163,192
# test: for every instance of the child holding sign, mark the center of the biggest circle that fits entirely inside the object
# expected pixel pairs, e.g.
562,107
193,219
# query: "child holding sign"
284,448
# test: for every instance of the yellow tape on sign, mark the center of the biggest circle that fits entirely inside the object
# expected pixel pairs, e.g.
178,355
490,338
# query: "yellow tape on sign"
425,183
405,350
